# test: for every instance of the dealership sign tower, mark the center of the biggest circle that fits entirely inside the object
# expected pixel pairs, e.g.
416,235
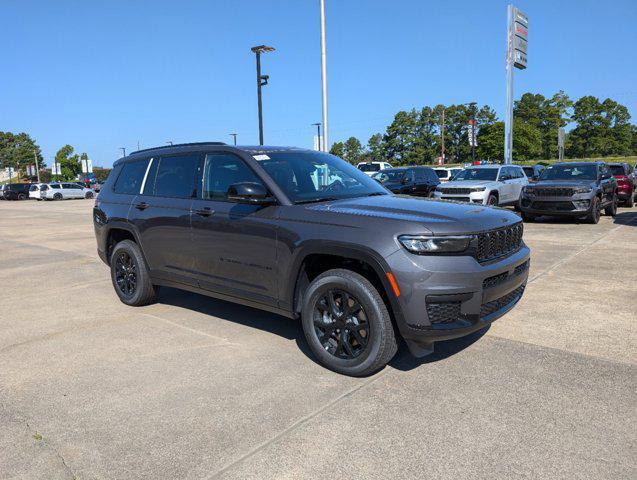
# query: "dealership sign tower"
517,35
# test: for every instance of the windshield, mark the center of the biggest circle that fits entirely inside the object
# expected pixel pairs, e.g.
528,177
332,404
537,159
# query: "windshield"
477,174
315,176
369,167
529,171
569,172
389,175
617,170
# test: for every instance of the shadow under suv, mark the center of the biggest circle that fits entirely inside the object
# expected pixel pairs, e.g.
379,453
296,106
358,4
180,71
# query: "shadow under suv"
307,235
574,189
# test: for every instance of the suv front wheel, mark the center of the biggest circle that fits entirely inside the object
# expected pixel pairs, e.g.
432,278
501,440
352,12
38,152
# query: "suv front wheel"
130,275
346,323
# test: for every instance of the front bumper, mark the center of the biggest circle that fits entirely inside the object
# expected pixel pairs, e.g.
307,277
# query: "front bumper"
479,198
449,297
576,206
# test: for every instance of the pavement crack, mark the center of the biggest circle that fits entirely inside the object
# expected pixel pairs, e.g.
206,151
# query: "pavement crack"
299,423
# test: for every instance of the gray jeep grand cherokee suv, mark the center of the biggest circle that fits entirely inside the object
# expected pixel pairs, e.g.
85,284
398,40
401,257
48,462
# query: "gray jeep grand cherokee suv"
305,234
573,189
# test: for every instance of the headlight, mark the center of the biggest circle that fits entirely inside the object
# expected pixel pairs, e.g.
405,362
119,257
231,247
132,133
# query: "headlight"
582,190
422,244
478,189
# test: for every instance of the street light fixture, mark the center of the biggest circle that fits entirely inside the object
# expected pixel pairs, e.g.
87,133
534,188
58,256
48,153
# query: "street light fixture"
169,142
262,81
318,132
234,137
123,149
472,121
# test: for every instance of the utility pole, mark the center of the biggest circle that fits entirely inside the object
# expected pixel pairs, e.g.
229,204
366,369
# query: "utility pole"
262,81
324,77
37,166
234,137
318,133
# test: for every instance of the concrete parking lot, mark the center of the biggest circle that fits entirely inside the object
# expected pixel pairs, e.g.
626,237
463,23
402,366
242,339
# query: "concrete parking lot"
195,388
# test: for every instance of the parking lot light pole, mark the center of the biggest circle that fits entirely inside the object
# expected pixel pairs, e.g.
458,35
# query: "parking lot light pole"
324,77
37,166
262,81
234,137
318,133
123,149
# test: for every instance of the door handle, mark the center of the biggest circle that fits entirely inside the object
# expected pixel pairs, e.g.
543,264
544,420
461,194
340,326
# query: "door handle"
142,206
204,212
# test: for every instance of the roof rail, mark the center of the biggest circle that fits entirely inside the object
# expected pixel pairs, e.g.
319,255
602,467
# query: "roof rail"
163,147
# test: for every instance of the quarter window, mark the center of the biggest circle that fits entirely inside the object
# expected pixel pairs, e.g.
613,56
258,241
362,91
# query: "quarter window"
130,178
221,171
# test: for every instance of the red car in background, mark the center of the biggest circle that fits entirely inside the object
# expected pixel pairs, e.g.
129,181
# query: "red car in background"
626,183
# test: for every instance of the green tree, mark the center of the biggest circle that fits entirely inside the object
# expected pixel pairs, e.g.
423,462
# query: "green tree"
527,141
376,148
69,161
353,150
546,115
338,149
602,128
17,151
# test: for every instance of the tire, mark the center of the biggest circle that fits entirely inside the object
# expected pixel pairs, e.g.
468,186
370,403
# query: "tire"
611,210
127,254
57,196
528,217
492,200
372,321
594,214
631,201
88,195
21,196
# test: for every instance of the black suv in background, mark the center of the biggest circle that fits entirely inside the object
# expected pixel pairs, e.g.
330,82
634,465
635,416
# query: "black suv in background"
572,189
417,181
16,191
305,234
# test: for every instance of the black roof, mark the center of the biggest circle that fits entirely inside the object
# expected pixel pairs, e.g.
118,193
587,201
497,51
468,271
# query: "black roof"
166,147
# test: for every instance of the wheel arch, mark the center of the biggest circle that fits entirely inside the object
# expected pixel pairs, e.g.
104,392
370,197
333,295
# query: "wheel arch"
336,255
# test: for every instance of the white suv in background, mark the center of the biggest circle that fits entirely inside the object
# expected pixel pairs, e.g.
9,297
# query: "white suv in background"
446,174
370,168
64,190
486,185
35,191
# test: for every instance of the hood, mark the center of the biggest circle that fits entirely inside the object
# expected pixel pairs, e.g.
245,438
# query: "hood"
563,183
469,183
438,217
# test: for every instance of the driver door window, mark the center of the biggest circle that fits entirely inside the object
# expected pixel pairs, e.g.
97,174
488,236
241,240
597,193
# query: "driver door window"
221,171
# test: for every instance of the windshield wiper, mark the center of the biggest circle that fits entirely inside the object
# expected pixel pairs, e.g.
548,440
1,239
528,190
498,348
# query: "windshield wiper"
315,200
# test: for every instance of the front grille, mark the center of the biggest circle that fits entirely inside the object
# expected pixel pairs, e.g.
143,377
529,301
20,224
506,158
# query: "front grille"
455,191
499,243
552,192
441,313
560,206
499,303
504,276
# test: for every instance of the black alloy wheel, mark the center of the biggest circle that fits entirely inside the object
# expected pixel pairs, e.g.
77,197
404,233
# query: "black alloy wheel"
125,274
340,324
492,201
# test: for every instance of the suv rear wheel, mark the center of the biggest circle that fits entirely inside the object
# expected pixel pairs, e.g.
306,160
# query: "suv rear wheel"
346,323
130,275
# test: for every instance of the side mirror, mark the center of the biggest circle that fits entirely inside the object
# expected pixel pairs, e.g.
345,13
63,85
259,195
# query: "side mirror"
249,192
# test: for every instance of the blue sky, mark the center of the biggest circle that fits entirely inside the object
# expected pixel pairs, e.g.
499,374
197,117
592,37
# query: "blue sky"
105,74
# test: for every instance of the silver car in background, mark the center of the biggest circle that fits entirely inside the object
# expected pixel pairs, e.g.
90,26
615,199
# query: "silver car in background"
495,185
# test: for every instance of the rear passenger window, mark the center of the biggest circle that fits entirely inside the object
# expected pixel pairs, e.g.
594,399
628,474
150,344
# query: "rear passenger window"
130,178
176,176
221,171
